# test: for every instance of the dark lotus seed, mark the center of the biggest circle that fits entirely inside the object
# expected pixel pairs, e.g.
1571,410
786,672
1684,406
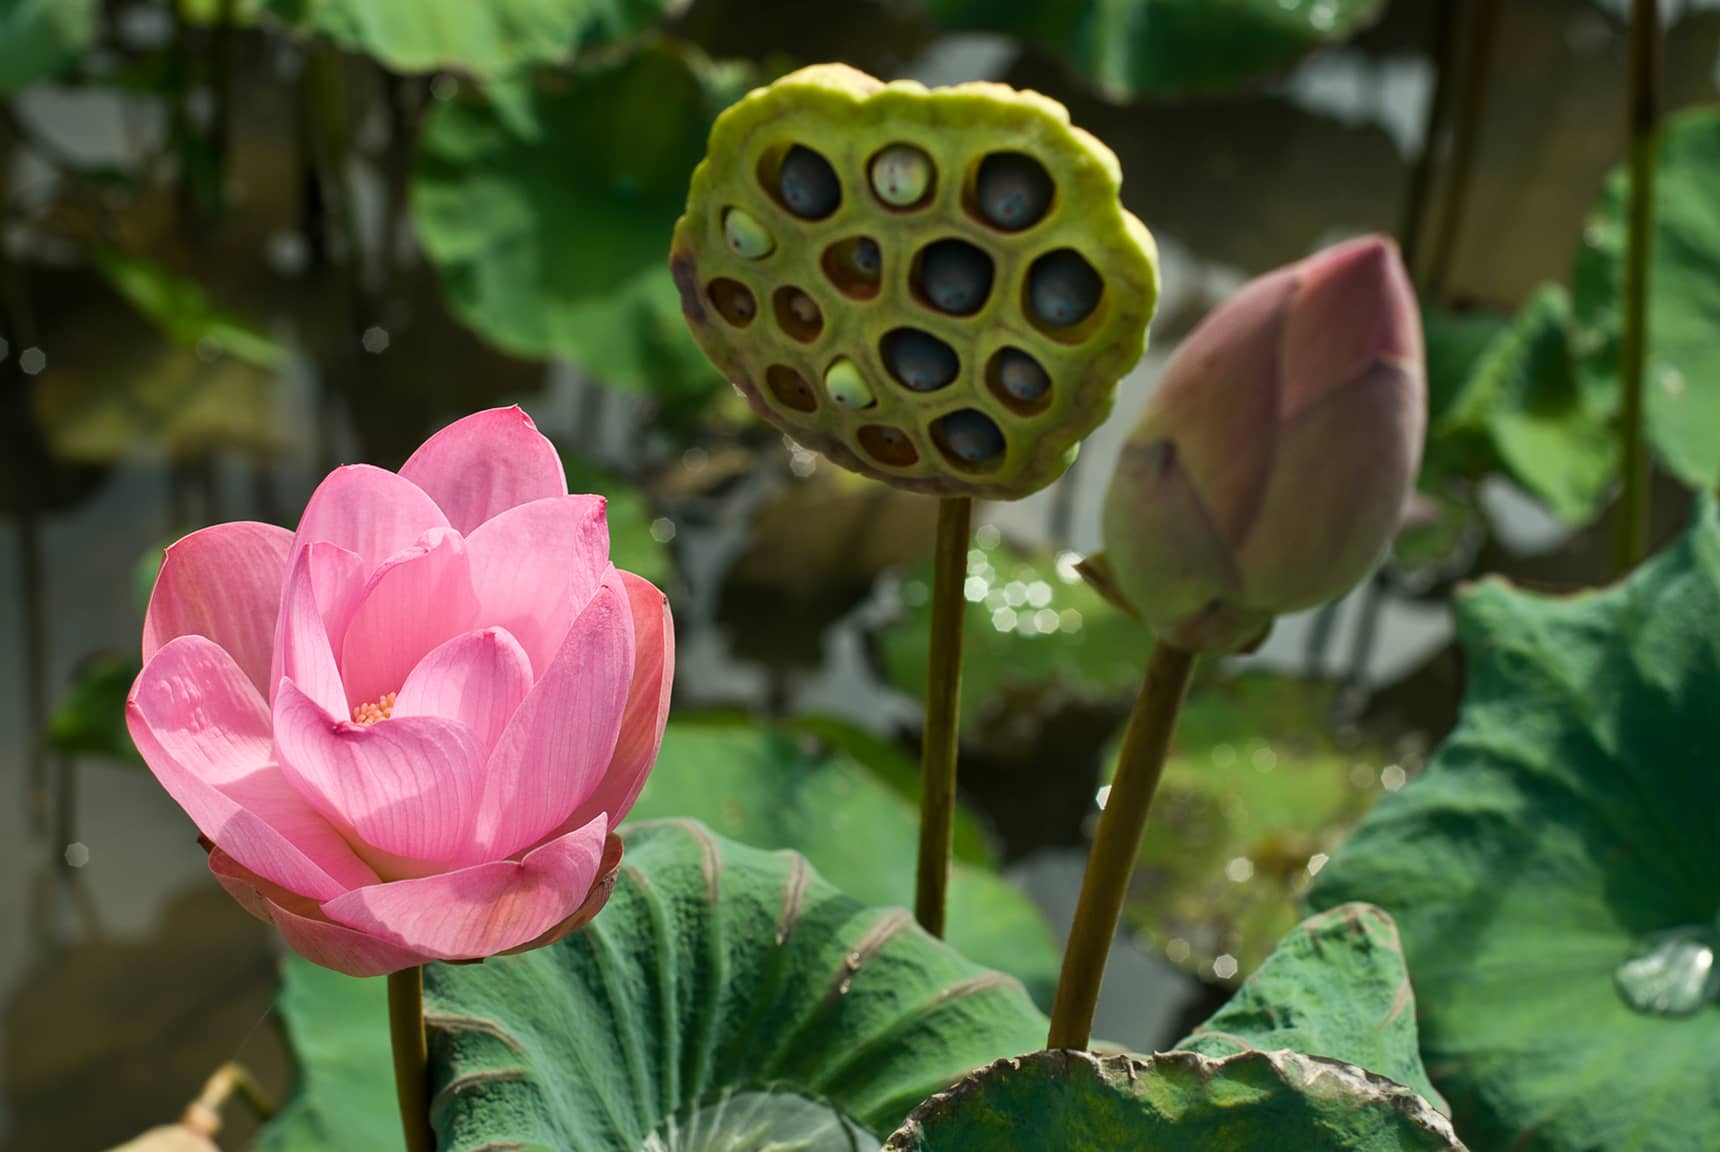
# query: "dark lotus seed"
919,360
1021,376
971,437
808,184
955,276
868,261
1014,190
1063,288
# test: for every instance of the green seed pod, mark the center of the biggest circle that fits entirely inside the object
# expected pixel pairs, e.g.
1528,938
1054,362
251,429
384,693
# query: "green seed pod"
897,209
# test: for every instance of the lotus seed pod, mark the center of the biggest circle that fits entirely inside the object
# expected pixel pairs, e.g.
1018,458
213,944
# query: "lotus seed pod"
1014,190
808,184
847,388
901,175
1270,468
746,236
920,360
896,331
1063,288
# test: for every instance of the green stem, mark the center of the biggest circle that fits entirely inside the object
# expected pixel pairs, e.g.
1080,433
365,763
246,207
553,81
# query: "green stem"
1630,543
411,1057
1421,176
1117,844
1477,61
943,707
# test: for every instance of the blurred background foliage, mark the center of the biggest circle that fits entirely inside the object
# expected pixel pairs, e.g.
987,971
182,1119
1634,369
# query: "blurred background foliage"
245,240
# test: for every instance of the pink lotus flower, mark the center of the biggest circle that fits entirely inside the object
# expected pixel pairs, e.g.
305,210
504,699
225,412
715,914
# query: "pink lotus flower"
1272,465
406,730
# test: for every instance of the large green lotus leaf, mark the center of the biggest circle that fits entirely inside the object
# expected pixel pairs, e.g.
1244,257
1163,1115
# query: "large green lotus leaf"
39,37
1506,399
1336,986
1571,821
726,999
1256,792
488,38
799,786
1073,1101
1681,403
343,1098
554,243
1167,47
1031,621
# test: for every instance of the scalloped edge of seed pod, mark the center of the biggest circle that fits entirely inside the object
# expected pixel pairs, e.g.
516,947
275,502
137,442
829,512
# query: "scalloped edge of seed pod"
1154,1081
1085,364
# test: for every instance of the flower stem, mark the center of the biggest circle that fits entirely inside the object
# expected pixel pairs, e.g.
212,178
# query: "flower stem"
1630,543
1117,844
943,705
411,1057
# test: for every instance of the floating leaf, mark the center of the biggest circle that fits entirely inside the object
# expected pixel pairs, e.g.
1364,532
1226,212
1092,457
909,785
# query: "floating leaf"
1518,409
1256,792
1336,986
181,309
555,244
343,1098
1168,47
1681,405
721,984
1081,1102
39,37
1570,821
487,38
780,787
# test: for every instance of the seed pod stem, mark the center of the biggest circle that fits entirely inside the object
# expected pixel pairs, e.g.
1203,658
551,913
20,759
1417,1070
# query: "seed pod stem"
411,1057
943,707
1631,540
1117,844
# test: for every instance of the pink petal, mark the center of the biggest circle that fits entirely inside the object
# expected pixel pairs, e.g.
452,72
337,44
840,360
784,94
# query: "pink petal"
408,788
204,731
482,910
554,751
477,678
413,602
481,466
647,705
322,588
224,583
367,510
535,566
305,929
1354,308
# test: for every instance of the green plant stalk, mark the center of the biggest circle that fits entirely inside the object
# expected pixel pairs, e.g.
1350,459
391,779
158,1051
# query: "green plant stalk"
1117,844
1630,541
943,706
1477,61
411,1057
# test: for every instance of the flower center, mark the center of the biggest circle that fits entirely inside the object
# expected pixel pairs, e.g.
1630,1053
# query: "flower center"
371,713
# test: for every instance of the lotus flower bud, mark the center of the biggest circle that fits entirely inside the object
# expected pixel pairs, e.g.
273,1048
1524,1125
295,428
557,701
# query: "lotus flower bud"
1271,466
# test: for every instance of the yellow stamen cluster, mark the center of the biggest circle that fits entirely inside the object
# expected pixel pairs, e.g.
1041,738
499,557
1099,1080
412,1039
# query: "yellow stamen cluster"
371,713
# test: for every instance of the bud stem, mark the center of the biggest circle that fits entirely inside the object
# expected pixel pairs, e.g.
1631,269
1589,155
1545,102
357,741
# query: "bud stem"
1631,541
411,1057
943,705
1117,844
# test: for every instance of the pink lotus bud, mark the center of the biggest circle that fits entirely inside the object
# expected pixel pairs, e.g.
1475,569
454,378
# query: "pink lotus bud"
1271,467
406,730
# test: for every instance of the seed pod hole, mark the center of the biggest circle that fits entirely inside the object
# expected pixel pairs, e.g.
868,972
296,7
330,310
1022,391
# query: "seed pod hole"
846,387
798,314
889,446
952,276
1012,191
804,183
790,388
969,439
732,300
1019,381
918,360
855,266
745,236
1062,290
903,176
